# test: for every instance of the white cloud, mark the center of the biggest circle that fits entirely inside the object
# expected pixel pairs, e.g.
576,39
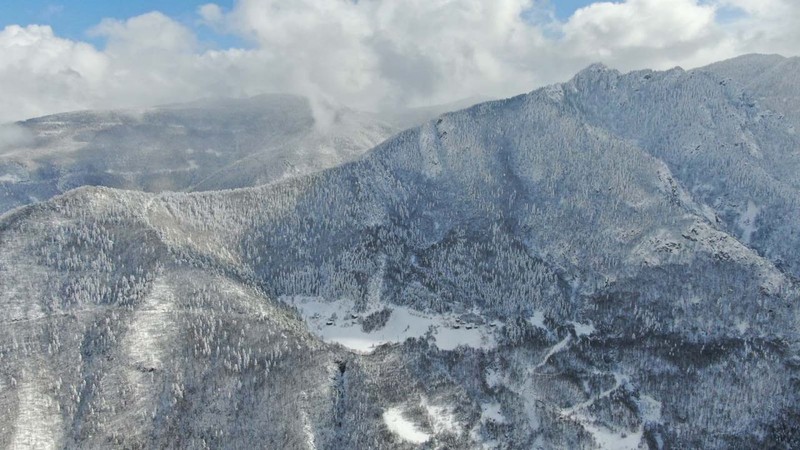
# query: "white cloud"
768,26
14,136
146,33
640,23
648,33
41,73
374,54
211,14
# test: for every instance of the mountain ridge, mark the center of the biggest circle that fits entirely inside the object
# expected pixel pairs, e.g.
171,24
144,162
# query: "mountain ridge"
574,218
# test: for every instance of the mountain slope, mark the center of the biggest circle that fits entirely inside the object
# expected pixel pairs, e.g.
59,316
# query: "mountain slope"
771,79
569,238
212,144
698,125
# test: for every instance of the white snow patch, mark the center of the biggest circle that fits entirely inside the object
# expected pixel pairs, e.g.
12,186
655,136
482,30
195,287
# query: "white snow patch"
747,221
442,418
448,338
603,435
10,178
335,322
607,438
555,349
537,320
308,429
152,328
38,419
583,329
403,428
492,412
148,345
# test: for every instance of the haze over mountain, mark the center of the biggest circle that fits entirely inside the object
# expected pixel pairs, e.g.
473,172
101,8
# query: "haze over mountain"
205,145
611,262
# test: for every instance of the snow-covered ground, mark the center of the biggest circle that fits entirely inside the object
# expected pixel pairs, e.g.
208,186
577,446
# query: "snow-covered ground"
492,412
442,418
10,178
563,344
609,439
402,427
152,326
583,329
747,222
337,321
37,420
537,320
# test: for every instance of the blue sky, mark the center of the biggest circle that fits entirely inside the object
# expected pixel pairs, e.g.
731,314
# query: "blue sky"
565,8
72,18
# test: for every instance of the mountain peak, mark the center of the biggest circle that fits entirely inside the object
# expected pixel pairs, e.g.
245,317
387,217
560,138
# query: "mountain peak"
595,68
596,71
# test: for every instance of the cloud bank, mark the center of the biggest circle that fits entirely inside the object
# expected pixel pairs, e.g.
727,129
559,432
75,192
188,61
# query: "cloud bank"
375,54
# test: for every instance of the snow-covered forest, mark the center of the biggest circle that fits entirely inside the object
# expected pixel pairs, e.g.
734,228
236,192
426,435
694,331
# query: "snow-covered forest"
610,262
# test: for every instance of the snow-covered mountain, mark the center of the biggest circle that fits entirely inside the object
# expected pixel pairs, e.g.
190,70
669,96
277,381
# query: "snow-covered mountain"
205,145
771,80
610,262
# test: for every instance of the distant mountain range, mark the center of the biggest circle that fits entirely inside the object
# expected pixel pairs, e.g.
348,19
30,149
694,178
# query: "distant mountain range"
206,145
611,262
201,146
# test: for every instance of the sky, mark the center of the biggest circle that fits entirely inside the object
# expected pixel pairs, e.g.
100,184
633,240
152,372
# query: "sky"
373,55
72,19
